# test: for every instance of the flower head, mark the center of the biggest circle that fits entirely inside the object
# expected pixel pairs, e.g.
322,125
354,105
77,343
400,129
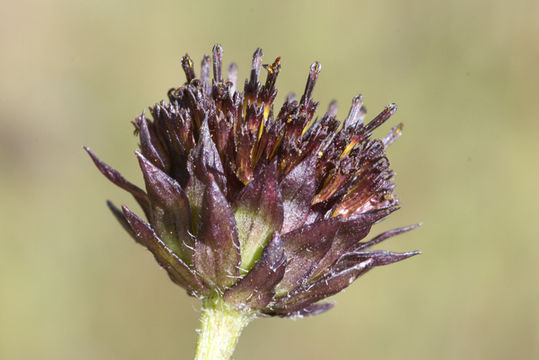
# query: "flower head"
266,210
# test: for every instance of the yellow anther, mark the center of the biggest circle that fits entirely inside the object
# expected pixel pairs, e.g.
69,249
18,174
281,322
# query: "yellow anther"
267,108
340,212
349,147
304,130
261,128
271,68
276,146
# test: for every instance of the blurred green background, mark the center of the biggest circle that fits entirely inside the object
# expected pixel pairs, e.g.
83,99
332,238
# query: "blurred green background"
73,285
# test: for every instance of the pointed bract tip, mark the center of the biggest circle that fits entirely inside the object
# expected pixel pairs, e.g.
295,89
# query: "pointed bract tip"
409,254
91,153
406,228
405,255
145,164
138,155
125,210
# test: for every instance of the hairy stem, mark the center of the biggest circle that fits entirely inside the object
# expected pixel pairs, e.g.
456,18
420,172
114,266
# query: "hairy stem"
220,329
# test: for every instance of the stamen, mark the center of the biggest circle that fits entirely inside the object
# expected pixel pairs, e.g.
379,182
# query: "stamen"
255,67
232,76
354,117
332,108
261,128
316,67
205,73
393,135
217,62
350,146
187,65
306,127
252,87
273,71
267,108
381,118
275,147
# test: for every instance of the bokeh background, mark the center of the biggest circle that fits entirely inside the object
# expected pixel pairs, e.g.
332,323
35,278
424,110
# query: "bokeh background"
464,73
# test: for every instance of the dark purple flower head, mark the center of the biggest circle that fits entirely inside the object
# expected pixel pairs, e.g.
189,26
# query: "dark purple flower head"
265,209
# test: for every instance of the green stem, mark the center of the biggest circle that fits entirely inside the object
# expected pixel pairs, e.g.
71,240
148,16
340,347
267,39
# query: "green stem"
221,326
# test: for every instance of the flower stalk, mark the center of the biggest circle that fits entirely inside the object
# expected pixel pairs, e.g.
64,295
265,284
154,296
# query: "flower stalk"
220,329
